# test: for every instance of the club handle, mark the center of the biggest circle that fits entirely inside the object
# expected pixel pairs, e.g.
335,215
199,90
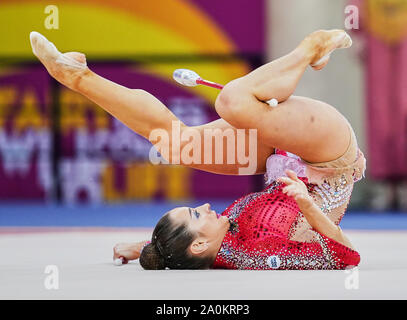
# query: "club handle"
209,84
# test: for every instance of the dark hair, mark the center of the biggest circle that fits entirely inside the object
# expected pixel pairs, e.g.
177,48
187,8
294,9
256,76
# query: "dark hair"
169,248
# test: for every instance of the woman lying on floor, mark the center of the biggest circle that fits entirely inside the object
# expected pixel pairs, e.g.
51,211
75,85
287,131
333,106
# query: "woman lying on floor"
294,222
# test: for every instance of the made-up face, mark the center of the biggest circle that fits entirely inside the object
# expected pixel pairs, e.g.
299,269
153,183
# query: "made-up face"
209,227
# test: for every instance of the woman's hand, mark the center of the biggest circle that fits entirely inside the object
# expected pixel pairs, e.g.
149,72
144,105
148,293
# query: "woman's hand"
128,251
297,189
315,217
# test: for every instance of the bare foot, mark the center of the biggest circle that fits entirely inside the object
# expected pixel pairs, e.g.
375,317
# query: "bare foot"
67,68
323,43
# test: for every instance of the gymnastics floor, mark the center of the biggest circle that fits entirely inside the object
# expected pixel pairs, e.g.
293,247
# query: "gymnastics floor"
78,242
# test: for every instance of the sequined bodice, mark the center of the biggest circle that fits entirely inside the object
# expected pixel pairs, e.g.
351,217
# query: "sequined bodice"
261,223
332,193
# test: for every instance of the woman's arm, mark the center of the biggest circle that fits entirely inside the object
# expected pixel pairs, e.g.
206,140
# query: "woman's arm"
315,217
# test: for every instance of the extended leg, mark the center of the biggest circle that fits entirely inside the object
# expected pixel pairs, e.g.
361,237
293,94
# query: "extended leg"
279,78
139,110
303,126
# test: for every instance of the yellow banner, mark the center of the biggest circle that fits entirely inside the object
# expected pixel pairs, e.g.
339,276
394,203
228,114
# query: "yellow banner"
387,19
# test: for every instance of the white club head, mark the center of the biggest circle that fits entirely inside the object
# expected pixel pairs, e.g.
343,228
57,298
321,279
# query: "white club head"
272,102
118,262
186,77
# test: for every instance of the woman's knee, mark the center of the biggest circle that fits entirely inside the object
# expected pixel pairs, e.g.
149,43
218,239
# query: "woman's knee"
232,102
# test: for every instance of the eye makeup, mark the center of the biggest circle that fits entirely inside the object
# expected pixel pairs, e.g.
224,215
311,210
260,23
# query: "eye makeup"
195,212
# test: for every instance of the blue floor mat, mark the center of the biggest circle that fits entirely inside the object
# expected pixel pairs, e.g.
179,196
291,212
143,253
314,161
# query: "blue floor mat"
147,214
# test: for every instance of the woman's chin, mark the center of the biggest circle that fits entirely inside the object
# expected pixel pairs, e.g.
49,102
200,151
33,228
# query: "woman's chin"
224,219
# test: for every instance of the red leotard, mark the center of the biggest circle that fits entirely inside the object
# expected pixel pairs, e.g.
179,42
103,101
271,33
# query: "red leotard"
261,223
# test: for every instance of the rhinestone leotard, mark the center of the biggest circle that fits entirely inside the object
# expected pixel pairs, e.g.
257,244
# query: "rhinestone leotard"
269,232
258,237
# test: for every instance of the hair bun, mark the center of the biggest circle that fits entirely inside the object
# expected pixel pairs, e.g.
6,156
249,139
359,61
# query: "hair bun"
151,259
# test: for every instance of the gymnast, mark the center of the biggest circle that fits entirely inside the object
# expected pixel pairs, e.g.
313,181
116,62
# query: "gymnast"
306,148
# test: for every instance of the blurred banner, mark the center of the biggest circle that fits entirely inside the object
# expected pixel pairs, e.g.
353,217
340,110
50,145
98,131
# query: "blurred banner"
383,28
57,145
123,28
25,134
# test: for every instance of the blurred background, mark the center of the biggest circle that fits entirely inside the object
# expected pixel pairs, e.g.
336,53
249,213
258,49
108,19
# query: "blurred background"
66,162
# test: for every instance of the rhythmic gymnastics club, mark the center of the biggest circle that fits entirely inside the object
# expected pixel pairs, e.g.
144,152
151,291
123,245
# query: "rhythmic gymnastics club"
120,261
190,78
